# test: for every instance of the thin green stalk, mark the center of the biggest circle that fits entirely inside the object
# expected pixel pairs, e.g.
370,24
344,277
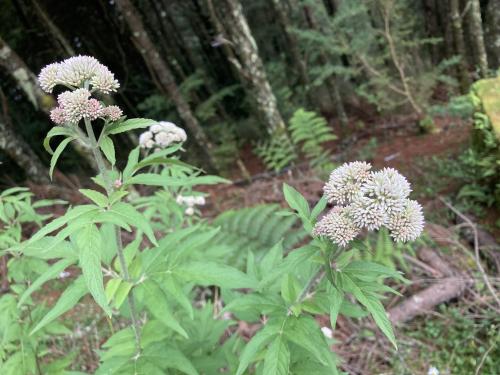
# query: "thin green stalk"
121,257
313,281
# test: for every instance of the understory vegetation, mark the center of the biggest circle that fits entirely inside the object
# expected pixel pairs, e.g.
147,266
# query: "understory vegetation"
265,187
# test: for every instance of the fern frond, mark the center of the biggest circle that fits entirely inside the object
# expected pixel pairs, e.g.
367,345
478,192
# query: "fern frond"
255,229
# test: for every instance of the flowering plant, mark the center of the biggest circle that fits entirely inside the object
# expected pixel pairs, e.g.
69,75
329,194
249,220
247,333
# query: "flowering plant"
157,279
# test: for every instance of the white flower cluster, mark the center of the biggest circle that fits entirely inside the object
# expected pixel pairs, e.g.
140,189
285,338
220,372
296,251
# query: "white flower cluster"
190,201
367,199
83,75
75,72
161,135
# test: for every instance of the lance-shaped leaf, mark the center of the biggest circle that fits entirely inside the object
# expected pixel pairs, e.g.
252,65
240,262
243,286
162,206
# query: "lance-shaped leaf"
89,243
67,301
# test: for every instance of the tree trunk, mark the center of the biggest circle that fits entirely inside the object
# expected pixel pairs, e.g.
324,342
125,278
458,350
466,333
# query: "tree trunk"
164,76
476,30
458,36
292,43
28,82
19,151
246,59
332,81
492,29
63,43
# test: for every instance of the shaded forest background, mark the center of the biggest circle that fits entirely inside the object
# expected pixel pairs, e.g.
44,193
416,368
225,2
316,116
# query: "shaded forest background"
195,62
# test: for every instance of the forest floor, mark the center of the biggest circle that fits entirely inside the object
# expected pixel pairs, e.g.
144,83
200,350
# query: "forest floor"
460,336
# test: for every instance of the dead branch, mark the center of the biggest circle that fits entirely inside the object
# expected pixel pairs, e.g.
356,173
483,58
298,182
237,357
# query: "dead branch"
444,290
476,249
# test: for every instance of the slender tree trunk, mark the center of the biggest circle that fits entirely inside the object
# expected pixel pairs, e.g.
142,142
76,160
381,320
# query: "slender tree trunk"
28,82
476,30
292,43
18,150
458,37
332,81
492,28
64,44
164,76
245,57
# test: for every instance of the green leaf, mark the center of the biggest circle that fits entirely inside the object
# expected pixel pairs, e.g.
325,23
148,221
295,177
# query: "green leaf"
335,298
373,269
130,215
304,332
98,198
108,149
153,179
211,273
68,299
294,259
156,302
51,273
320,206
45,249
71,214
127,125
173,288
277,358
373,305
133,159
296,201
55,131
57,153
89,242
254,345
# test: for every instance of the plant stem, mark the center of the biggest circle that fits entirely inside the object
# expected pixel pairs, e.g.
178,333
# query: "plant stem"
313,281
119,248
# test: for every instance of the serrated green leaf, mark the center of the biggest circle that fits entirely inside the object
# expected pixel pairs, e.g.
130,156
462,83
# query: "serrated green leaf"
304,332
51,273
319,207
127,125
89,243
156,302
98,198
69,298
260,339
335,298
212,273
296,201
373,305
130,215
277,360
108,149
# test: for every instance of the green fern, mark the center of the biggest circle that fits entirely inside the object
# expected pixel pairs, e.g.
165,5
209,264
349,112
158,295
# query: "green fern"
277,153
311,131
255,229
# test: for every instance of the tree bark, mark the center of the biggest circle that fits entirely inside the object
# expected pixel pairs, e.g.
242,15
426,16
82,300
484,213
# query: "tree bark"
19,151
458,36
26,79
492,30
245,57
164,76
332,81
476,30
292,43
63,43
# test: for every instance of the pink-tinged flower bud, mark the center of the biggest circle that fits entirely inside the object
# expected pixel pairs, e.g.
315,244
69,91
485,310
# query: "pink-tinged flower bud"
112,112
57,115
337,226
